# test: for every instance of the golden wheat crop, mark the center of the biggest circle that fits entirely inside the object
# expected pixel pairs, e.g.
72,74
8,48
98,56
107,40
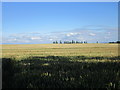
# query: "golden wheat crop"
26,50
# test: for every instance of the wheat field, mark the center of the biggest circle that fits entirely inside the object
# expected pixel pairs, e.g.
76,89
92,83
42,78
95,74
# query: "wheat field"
21,51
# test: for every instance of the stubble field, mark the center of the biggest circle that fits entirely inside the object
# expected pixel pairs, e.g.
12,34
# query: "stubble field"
89,50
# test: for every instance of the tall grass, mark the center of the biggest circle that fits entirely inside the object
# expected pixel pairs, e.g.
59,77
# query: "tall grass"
60,72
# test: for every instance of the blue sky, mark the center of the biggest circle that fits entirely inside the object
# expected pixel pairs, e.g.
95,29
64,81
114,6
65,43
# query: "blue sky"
45,22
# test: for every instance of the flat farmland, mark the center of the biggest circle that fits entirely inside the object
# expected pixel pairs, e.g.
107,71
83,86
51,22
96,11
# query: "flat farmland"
61,66
89,50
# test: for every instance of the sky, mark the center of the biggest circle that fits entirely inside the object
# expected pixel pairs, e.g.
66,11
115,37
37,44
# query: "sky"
45,22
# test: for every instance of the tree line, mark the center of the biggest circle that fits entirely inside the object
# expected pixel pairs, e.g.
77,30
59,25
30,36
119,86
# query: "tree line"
115,42
69,42
76,42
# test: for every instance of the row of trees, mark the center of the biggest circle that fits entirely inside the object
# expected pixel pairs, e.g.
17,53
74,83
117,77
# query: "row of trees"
69,42
76,42
115,42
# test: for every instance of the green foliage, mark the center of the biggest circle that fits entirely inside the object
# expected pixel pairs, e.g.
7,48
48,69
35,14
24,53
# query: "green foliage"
56,42
60,42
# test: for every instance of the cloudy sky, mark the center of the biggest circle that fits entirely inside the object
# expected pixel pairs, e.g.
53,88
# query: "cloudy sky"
39,22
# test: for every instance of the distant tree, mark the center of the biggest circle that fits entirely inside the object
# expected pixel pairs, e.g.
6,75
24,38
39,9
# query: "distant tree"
111,42
64,42
60,42
56,42
77,42
118,42
73,41
85,41
97,42
70,42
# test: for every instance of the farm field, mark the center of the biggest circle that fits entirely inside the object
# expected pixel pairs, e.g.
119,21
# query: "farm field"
89,50
61,66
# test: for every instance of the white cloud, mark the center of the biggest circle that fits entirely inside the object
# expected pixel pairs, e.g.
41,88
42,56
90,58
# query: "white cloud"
89,34
92,34
36,38
73,34
51,39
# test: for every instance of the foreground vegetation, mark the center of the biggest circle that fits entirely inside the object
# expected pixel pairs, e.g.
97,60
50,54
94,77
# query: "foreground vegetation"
61,66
